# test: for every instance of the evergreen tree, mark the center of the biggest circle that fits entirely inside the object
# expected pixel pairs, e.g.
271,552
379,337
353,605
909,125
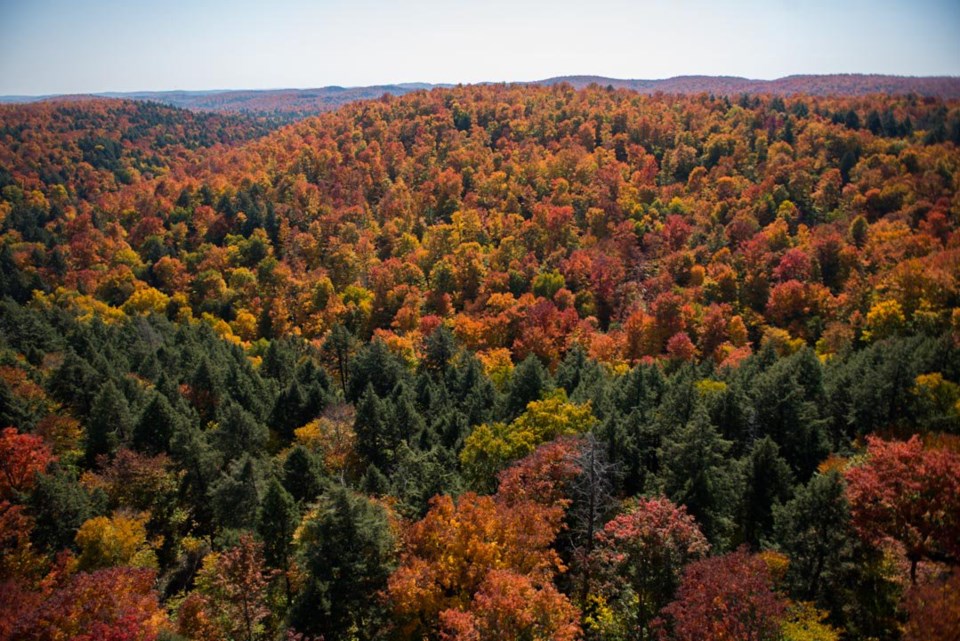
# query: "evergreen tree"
348,556
302,475
696,473
109,423
814,530
527,384
59,506
439,349
788,400
290,411
406,420
201,467
236,496
280,361
831,566
279,518
75,383
472,388
375,366
418,476
571,369
376,437
767,482
157,424
238,432
340,345
205,391
374,483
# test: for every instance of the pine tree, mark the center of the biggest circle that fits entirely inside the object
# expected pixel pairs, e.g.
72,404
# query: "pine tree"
406,420
340,344
814,529
109,424
302,475
238,432
279,518
75,383
376,366
205,386
788,400
236,496
439,350
767,482
59,506
290,411
696,473
280,361
157,424
527,384
201,465
375,433
348,557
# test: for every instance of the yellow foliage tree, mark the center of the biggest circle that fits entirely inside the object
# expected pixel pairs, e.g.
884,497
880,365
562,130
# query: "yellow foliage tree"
498,366
884,319
490,447
113,541
806,623
145,301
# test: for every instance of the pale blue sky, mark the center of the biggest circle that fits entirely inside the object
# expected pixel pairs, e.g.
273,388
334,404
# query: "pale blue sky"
68,46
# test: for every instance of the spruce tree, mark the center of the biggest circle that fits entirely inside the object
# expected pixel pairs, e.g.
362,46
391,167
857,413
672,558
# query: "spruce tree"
527,384
302,475
767,482
279,518
374,429
236,496
348,557
157,424
109,423
238,432
697,473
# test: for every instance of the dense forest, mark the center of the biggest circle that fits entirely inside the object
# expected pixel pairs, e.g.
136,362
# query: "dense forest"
478,363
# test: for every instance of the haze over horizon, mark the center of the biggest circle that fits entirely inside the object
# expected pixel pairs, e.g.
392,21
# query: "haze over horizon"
58,47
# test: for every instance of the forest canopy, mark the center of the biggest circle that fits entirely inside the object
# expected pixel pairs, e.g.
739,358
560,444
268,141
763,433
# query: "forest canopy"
482,362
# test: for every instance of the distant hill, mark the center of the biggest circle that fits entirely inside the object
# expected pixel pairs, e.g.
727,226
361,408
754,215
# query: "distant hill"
281,101
290,104
818,85
280,105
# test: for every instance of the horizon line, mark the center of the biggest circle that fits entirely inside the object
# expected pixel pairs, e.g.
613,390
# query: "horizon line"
406,84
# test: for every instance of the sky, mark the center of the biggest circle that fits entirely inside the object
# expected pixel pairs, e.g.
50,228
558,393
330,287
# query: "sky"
86,46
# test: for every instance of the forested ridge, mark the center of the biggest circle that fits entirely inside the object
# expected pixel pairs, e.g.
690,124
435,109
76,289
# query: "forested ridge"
486,362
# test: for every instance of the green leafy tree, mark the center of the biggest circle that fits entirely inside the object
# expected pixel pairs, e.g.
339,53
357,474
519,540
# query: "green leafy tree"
490,448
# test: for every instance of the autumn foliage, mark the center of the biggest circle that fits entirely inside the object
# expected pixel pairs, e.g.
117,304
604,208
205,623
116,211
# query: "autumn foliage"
482,362
725,597
911,494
